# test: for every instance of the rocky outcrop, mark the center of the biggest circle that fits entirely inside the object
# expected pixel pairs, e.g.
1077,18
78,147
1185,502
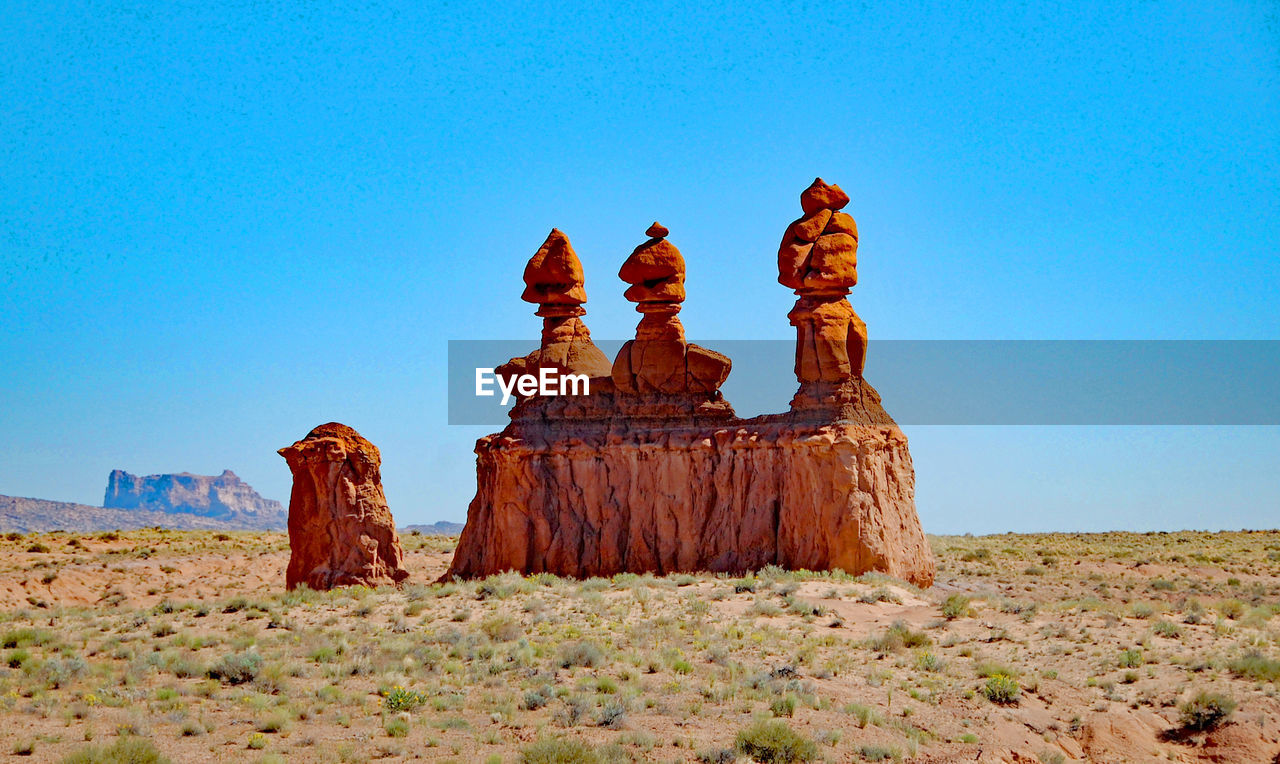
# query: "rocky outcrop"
652,471
341,532
224,497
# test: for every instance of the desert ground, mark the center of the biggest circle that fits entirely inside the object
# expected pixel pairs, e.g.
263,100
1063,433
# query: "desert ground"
184,646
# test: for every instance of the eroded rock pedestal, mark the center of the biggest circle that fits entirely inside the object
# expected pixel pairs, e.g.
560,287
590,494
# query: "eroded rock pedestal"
341,532
653,472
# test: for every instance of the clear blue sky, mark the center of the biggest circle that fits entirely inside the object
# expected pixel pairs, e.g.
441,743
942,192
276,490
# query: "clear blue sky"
224,223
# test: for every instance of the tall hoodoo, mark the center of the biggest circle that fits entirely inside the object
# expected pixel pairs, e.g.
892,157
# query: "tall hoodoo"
659,359
554,281
818,258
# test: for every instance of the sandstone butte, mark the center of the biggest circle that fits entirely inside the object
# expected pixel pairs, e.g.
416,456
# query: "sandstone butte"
653,472
341,532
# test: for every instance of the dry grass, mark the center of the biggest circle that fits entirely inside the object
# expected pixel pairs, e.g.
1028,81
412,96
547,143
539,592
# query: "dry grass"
186,640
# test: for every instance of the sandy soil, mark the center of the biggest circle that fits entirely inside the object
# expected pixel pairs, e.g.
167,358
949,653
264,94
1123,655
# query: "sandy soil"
186,640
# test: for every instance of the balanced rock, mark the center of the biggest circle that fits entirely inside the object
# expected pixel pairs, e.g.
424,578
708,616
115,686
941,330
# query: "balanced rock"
659,360
341,532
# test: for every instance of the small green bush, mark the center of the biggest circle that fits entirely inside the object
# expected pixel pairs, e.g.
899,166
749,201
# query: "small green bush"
400,699
898,636
1206,711
126,750
1002,689
582,653
784,706
236,668
396,727
1256,666
557,751
955,606
773,742
1131,658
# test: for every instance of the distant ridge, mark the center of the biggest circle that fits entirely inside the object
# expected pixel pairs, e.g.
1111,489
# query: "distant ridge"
442,528
180,501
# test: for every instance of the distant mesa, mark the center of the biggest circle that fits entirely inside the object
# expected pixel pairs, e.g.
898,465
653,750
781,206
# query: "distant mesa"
224,497
441,528
181,501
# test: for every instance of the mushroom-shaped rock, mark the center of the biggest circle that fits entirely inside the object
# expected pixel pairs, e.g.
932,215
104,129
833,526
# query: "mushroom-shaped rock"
341,532
554,274
657,230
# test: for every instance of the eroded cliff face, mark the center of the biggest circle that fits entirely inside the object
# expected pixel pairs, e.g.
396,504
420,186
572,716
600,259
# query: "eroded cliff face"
341,532
598,497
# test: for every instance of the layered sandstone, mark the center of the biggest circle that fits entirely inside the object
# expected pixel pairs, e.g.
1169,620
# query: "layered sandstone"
341,532
224,497
653,472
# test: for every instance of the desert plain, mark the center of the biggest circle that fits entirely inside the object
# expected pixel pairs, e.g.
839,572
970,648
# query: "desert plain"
184,646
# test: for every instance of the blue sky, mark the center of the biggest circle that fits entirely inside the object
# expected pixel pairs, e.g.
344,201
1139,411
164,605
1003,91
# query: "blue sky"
224,223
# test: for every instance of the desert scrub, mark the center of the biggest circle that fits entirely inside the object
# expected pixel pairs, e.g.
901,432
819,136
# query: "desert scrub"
126,750
237,668
559,751
1002,689
581,653
1131,658
773,742
1256,666
399,698
897,637
1206,711
955,606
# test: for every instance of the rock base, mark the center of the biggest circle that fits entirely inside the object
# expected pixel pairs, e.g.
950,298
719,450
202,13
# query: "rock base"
597,497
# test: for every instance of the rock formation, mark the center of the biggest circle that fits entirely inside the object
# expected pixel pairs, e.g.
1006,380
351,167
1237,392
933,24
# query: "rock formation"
225,498
554,281
340,530
659,360
652,472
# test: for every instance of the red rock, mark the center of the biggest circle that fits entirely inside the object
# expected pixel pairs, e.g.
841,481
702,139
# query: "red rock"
793,263
657,230
842,222
810,227
554,274
833,262
341,532
726,499
655,259
819,195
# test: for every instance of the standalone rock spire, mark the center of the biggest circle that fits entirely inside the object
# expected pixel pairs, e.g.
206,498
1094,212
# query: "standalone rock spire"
340,530
818,258
554,281
659,360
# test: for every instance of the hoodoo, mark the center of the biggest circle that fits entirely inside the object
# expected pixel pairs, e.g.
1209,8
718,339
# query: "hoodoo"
340,530
652,471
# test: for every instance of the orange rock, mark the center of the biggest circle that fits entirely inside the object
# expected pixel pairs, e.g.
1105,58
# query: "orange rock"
833,262
341,532
726,499
655,259
793,263
842,222
819,195
554,274
810,227
657,230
